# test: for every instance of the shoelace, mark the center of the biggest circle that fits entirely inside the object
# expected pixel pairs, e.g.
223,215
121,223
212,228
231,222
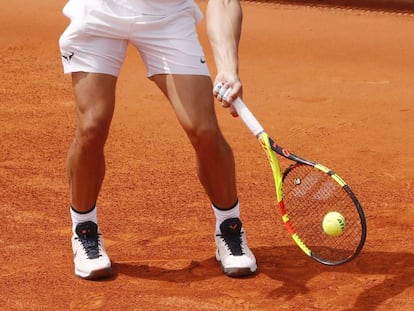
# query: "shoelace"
91,246
233,243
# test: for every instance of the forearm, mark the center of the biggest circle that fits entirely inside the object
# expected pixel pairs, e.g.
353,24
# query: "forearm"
224,22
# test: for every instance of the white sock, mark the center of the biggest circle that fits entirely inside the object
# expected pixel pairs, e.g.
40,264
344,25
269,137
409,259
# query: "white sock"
78,218
222,215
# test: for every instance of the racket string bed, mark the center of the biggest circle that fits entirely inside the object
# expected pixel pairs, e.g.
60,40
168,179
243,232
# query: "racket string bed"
308,195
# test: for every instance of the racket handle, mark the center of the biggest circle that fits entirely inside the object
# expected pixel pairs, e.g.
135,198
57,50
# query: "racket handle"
247,116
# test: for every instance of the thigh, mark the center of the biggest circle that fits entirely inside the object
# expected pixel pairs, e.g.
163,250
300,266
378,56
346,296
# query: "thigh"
95,99
192,100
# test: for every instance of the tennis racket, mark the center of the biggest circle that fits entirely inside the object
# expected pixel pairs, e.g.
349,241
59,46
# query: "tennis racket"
306,192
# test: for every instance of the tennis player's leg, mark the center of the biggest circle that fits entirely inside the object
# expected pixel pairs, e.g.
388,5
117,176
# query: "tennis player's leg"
178,66
192,100
94,63
95,100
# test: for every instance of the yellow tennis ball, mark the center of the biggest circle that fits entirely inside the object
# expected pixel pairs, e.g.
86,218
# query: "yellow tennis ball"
333,224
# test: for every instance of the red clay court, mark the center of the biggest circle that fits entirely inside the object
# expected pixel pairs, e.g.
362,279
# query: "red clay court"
332,84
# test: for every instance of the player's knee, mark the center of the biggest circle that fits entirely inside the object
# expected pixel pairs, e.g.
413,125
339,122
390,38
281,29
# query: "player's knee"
203,138
92,135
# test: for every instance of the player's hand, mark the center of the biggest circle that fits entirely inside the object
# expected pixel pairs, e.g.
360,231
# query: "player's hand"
226,91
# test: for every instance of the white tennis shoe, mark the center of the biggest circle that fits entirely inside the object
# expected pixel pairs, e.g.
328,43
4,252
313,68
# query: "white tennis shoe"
234,255
90,258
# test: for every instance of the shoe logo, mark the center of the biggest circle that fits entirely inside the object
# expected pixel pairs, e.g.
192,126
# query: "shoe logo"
233,227
68,56
202,60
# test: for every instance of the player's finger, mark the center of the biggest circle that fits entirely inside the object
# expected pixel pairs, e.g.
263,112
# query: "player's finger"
230,96
233,111
217,87
223,93
225,96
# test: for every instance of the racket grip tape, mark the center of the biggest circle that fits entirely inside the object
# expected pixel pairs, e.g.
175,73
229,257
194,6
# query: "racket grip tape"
247,116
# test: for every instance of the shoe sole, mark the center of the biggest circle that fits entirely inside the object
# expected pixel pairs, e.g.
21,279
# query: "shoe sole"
94,275
236,271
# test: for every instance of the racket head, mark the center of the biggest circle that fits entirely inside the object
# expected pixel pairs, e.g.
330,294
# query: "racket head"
310,191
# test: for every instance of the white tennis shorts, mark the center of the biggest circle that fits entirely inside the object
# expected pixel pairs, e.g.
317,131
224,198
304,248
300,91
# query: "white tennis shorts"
100,30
